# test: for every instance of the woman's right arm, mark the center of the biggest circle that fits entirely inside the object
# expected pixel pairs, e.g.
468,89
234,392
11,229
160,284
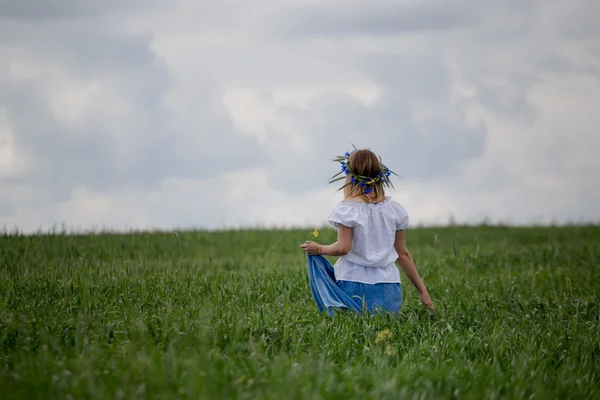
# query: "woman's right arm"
339,248
407,265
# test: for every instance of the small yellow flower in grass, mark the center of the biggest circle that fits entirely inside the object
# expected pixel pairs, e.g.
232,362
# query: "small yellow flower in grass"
383,336
315,233
389,350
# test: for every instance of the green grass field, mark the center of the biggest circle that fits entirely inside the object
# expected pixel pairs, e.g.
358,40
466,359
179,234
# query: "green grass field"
205,315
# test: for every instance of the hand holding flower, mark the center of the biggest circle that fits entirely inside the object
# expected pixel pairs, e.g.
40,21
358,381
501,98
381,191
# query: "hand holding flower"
312,248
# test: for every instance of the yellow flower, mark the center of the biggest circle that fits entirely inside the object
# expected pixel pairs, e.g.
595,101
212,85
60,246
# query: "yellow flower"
383,336
315,233
389,350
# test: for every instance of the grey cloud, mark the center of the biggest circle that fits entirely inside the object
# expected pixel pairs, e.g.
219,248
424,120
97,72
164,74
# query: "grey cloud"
578,21
375,18
7,207
67,158
508,101
142,147
51,10
425,151
82,46
409,78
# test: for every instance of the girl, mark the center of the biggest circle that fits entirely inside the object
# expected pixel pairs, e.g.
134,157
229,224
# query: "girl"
370,240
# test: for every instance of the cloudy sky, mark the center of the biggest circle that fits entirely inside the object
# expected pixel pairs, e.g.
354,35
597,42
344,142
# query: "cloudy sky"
227,113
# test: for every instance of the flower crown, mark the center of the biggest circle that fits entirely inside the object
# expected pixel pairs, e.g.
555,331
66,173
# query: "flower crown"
365,183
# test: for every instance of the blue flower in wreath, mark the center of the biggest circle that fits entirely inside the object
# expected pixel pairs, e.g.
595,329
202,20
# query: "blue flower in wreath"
365,184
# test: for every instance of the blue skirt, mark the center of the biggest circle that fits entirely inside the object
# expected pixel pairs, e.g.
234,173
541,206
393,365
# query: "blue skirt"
331,295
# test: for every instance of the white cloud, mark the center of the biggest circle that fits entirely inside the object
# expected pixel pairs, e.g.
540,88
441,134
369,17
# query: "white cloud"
13,160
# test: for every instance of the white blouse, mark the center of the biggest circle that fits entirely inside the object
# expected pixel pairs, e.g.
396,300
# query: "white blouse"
374,227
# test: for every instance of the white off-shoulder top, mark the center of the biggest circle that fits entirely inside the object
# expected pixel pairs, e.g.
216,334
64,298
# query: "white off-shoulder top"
374,227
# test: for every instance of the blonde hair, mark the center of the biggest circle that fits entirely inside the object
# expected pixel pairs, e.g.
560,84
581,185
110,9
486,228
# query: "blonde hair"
365,163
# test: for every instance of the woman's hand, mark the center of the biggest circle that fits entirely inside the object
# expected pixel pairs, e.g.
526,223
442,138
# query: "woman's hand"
311,248
426,300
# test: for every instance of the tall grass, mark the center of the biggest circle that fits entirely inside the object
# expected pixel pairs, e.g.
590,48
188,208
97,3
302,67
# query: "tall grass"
230,315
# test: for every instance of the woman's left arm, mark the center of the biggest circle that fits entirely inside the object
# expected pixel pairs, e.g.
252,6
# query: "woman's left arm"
341,247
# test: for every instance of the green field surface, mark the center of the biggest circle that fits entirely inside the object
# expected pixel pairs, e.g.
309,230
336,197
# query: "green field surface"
215,315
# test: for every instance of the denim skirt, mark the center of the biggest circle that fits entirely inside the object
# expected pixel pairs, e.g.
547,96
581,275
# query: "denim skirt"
331,295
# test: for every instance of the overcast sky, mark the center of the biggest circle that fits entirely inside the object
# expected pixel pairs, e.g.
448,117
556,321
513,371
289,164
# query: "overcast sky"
227,113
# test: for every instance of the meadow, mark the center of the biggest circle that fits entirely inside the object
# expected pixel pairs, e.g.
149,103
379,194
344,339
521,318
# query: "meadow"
211,315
